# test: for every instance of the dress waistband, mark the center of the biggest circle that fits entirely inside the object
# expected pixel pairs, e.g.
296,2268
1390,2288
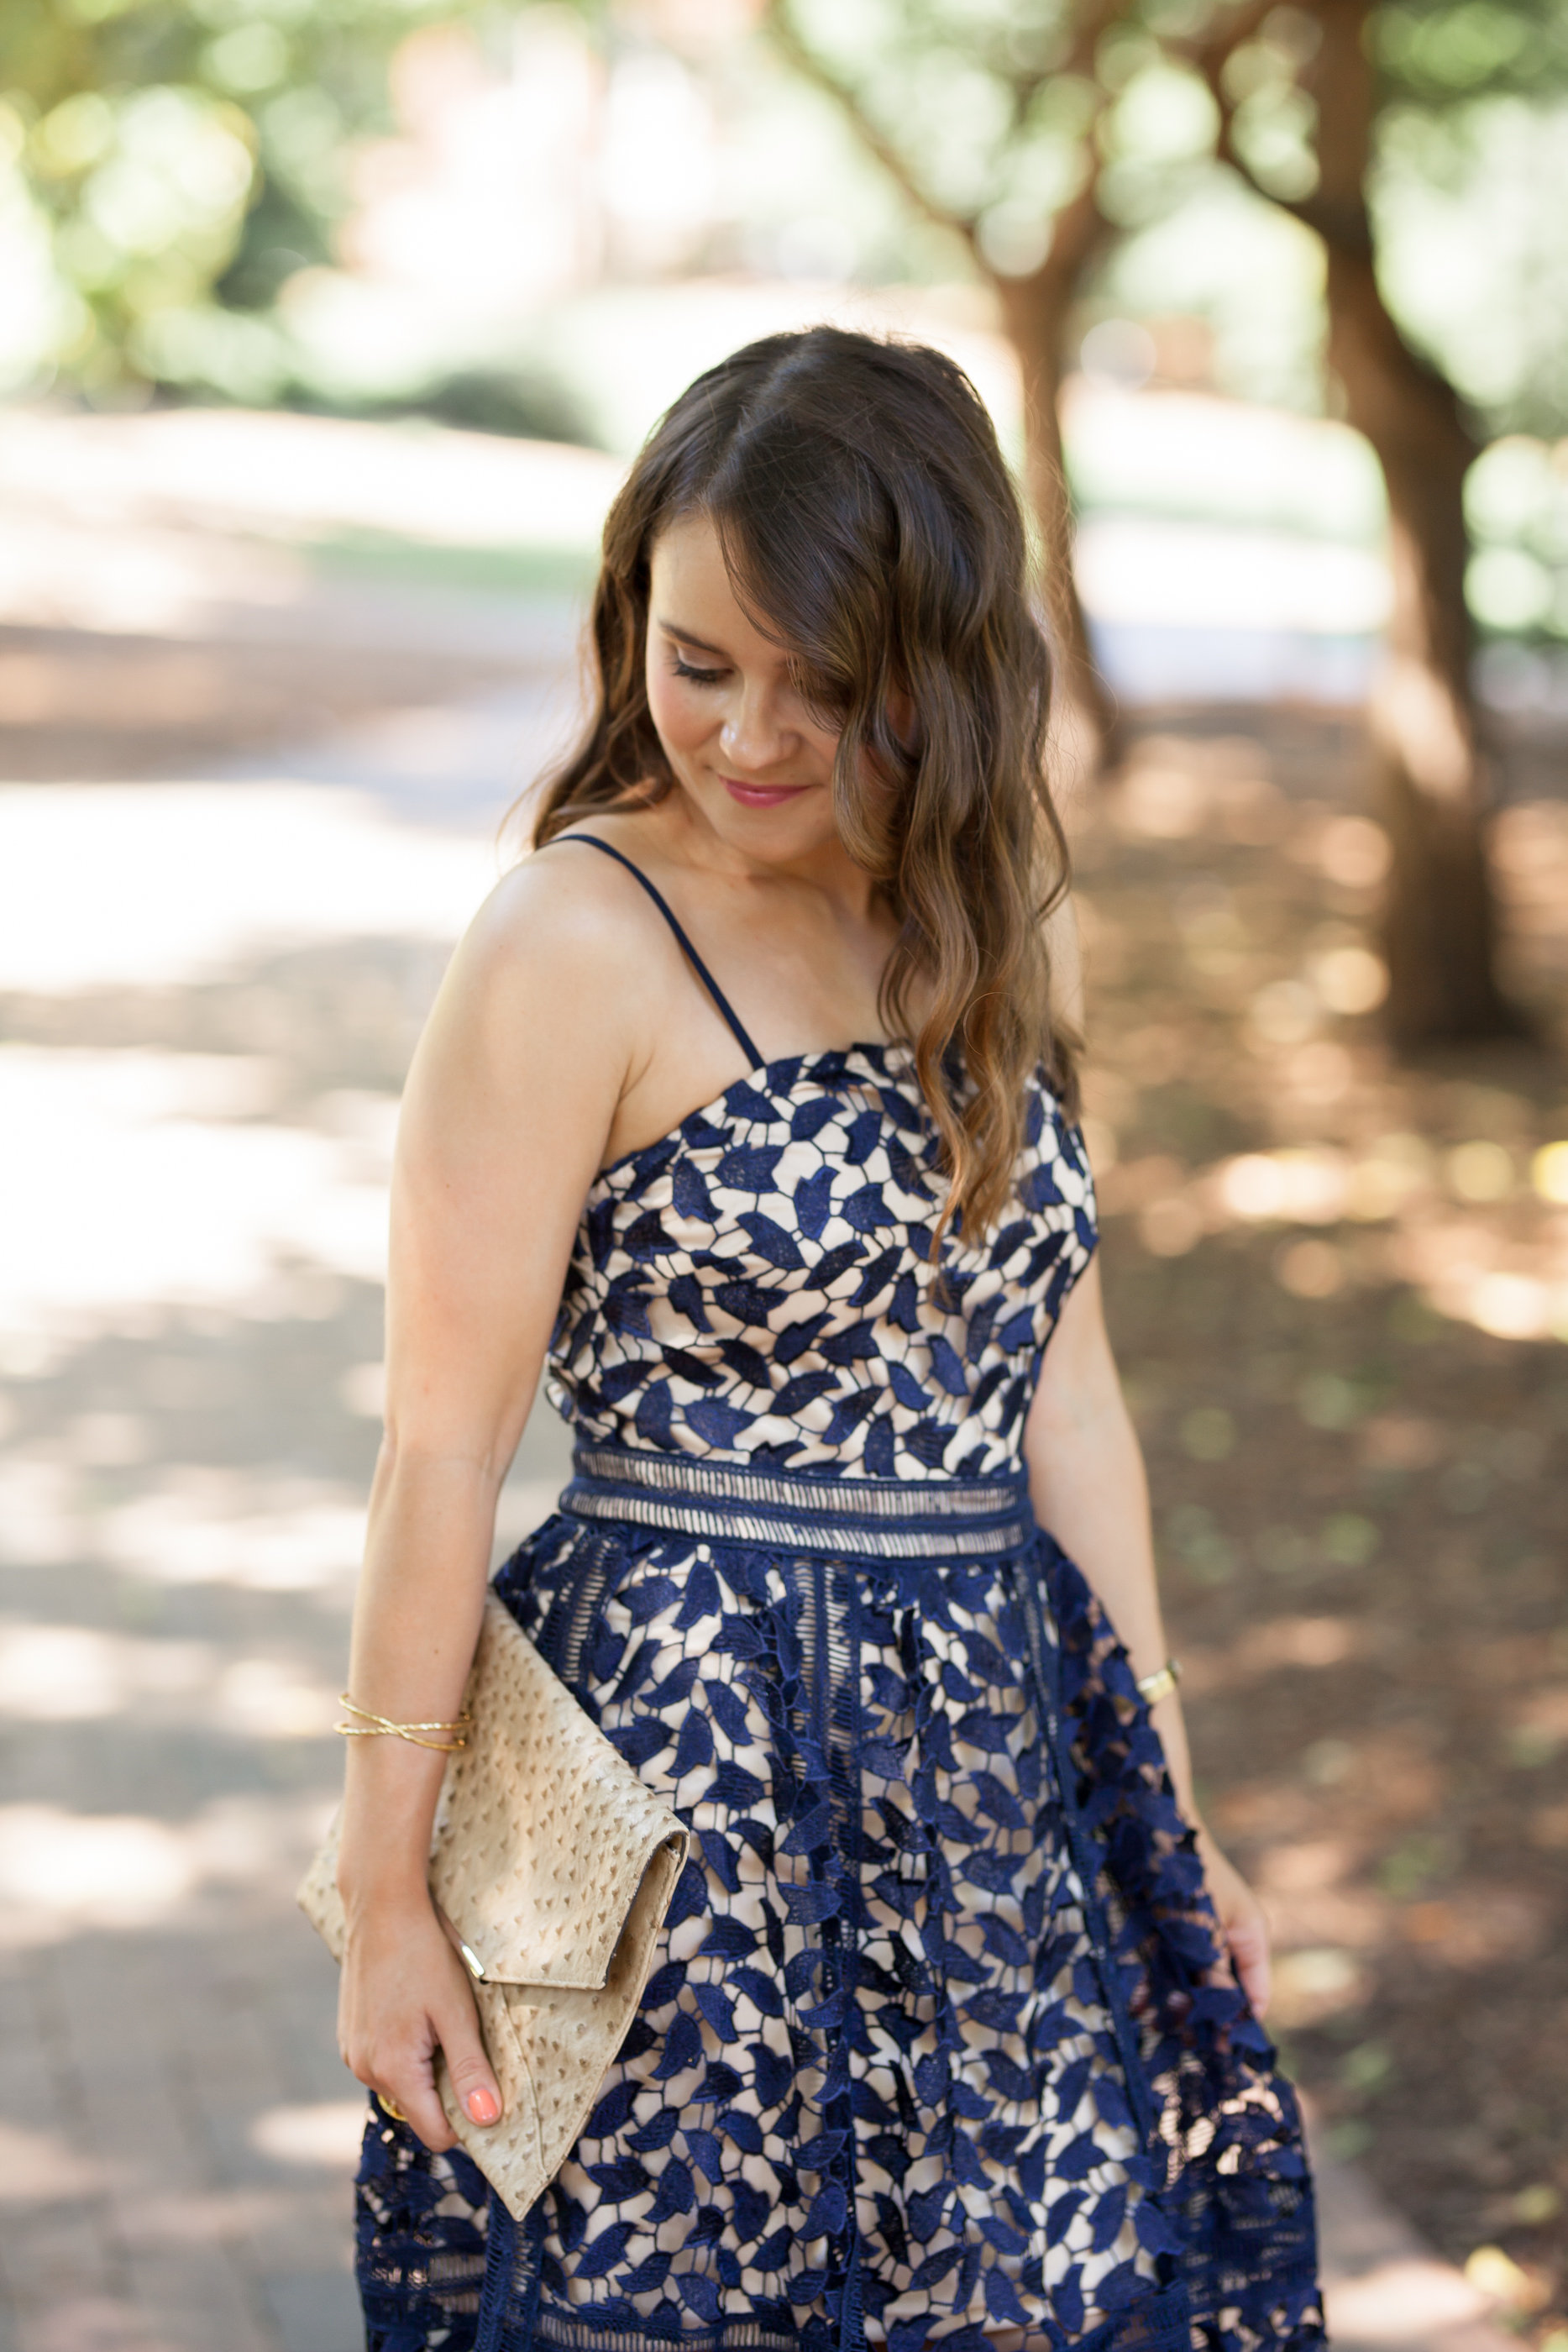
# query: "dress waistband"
876,1518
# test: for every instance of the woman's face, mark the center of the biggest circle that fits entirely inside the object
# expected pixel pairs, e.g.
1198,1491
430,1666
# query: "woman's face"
741,739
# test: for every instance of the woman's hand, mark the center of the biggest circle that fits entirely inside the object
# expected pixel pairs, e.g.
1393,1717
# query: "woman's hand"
1242,1922
404,1994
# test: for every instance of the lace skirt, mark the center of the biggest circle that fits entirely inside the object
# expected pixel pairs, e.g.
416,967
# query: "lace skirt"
942,2046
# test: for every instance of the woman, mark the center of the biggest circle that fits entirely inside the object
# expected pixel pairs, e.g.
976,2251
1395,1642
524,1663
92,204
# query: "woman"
948,2045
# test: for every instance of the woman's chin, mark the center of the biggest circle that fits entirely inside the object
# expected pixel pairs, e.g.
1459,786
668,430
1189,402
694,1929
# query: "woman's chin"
779,830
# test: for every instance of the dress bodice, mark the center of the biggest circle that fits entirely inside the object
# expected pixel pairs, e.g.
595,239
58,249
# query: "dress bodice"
758,1283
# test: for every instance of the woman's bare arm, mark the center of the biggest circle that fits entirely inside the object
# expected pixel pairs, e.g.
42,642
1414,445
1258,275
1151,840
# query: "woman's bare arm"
510,1100
1087,1481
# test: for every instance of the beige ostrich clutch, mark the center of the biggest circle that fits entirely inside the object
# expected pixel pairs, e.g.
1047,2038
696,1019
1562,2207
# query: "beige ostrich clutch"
556,1868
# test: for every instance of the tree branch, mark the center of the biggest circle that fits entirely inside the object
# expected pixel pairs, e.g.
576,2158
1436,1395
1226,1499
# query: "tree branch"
1211,55
1095,19
1210,59
1343,227
777,23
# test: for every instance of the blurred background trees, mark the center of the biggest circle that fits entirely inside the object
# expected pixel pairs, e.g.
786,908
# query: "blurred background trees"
182,159
1302,109
1037,133
1355,207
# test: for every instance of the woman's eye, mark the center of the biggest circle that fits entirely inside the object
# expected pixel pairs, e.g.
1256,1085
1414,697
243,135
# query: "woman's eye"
698,676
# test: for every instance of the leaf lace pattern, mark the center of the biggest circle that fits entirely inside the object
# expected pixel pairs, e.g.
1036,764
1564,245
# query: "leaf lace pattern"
941,2048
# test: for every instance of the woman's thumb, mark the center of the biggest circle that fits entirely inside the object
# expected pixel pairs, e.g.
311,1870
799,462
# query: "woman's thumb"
472,2076
1249,1941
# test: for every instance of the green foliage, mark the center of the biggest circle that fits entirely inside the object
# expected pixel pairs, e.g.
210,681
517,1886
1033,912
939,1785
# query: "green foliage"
183,158
177,161
1433,53
1516,500
998,112
1471,212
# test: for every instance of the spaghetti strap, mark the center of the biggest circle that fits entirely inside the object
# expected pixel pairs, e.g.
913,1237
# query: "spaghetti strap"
754,1060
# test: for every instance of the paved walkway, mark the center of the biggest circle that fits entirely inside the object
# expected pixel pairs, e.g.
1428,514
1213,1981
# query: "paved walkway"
187,1401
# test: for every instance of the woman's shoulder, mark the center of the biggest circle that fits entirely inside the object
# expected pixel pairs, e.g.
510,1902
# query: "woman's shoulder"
564,912
550,992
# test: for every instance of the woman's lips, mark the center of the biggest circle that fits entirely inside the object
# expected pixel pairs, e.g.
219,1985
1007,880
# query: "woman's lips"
760,795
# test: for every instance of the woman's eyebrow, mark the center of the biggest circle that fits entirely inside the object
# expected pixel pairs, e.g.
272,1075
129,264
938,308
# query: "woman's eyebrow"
689,637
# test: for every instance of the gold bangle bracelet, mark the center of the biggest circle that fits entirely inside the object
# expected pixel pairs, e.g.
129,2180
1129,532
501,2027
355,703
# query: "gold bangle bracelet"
381,1727
1153,1687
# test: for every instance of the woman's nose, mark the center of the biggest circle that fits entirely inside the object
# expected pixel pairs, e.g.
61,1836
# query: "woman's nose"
754,734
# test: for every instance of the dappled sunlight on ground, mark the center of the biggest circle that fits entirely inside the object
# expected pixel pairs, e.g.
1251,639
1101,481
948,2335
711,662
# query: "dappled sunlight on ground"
1458,1189
299,478
1339,1287
158,885
1131,570
135,1198
61,1872
209,995
325,2135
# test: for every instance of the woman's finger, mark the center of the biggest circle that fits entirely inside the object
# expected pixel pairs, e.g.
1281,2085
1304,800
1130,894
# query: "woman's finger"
401,2073
1247,1937
1242,1924
409,2095
473,2078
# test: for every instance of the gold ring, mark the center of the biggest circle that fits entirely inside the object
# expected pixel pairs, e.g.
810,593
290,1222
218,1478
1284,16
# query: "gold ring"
391,2107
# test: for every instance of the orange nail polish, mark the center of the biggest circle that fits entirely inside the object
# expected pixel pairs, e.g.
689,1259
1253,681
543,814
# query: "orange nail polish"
484,2106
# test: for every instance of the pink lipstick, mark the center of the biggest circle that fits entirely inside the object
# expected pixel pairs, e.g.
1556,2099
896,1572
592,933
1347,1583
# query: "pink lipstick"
760,796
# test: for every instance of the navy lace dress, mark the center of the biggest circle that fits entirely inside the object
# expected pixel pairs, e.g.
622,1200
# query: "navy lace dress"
942,2047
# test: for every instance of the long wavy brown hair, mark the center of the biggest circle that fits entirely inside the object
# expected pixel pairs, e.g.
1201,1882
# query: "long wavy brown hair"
871,528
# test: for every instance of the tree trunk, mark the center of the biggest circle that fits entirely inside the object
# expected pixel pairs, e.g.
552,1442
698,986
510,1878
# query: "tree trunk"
1034,312
1438,918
